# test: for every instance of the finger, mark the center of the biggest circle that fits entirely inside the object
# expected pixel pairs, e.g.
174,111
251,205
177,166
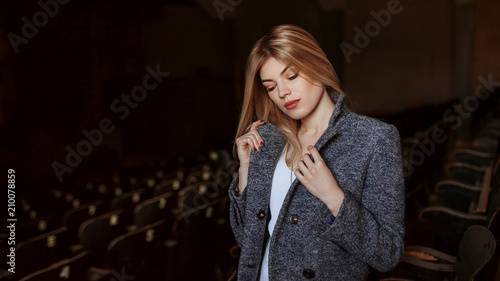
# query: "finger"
245,142
300,175
257,124
252,140
303,169
254,131
315,153
255,138
254,126
306,158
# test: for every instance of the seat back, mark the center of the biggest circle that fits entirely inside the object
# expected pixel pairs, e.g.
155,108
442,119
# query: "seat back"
41,251
74,268
474,252
490,270
190,247
73,218
166,186
129,200
34,227
155,209
494,198
96,233
139,252
199,194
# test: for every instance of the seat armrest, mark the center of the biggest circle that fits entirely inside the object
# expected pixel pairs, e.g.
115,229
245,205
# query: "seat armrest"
429,258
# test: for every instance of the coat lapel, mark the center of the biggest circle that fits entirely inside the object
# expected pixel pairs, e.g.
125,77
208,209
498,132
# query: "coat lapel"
264,163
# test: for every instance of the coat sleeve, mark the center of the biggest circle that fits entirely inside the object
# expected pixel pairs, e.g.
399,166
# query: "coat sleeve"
372,227
237,210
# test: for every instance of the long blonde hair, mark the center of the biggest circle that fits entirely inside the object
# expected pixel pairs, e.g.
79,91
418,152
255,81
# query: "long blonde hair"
293,46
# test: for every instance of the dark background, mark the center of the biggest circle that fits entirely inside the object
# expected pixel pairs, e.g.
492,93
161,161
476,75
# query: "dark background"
66,77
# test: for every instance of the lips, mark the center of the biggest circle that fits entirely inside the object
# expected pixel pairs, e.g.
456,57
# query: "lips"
292,104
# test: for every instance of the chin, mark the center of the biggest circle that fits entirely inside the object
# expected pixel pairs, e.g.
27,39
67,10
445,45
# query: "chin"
294,116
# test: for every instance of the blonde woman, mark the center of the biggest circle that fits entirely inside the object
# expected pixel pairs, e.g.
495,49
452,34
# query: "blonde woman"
319,193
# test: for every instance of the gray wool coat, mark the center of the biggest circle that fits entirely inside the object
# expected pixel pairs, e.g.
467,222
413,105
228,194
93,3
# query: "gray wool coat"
364,155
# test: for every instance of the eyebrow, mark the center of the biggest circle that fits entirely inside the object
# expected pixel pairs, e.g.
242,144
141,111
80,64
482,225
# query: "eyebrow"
282,72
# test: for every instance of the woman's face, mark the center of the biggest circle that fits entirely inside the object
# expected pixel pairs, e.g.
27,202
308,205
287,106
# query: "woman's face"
294,93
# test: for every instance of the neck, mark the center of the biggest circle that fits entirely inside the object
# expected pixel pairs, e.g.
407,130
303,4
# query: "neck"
317,121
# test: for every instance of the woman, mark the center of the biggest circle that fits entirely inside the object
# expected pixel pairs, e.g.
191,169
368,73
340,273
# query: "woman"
319,193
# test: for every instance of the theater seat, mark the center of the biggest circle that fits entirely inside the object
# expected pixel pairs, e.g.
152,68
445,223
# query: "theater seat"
155,209
73,218
464,206
490,270
419,263
474,157
140,252
166,186
95,234
74,269
34,227
41,251
129,200
193,242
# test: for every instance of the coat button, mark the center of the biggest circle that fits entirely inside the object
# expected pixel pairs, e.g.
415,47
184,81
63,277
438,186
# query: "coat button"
294,219
308,273
261,214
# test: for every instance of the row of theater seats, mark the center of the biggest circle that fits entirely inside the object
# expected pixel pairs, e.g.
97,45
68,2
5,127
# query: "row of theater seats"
162,225
172,224
453,201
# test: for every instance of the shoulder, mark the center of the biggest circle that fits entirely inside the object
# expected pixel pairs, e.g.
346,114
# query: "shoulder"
369,128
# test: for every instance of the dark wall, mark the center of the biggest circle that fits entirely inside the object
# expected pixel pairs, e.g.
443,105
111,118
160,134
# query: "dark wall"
68,76
78,69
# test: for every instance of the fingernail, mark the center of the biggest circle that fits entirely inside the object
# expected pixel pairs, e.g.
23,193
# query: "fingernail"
262,121
260,150
261,144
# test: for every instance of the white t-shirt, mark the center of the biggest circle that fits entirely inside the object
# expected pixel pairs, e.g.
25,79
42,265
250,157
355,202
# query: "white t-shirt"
282,180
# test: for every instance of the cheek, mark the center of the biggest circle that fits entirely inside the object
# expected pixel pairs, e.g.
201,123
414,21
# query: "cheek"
274,97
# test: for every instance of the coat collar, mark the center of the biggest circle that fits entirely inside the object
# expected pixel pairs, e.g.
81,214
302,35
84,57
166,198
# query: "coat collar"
335,120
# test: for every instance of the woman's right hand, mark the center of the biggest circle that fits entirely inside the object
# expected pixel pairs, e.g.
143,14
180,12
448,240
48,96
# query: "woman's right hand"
249,142
245,144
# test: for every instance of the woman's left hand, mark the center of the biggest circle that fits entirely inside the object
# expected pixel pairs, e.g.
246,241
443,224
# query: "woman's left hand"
319,180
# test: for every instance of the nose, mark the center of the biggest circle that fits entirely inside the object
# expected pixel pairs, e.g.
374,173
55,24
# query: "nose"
283,90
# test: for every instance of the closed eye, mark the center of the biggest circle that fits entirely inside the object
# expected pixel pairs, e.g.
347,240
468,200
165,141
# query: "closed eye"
270,89
293,76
